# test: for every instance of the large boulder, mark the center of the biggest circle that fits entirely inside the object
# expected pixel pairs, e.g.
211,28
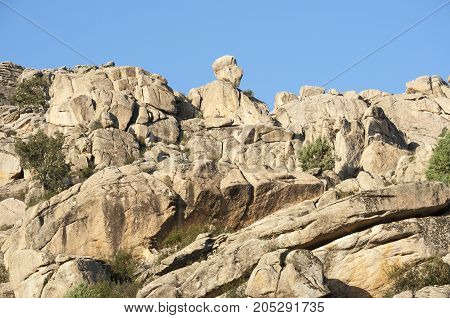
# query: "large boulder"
223,99
428,85
356,265
379,158
225,69
11,211
116,208
113,147
56,275
319,115
233,197
286,274
9,167
420,119
308,91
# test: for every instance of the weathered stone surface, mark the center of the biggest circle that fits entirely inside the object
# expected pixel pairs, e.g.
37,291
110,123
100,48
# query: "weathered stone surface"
301,226
73,272
424,113
9,164
319,115
287,274
429,85
11,211
98,217
379,158
378,127
165,130
412,168
235,197
348,148
308,91
282,98
223,99
217,122
54,278
357,264
113,147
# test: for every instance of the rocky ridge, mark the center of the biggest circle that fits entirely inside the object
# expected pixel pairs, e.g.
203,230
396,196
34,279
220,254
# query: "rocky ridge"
218,157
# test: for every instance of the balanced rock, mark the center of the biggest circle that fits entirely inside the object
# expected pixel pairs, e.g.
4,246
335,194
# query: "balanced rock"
225,69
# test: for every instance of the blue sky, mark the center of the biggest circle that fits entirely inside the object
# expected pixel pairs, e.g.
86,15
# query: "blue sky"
281,44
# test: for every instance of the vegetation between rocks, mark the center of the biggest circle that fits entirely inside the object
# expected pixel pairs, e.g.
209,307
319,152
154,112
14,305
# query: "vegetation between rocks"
44,156
318,154
4,275
181,237
32,93
248,93
439,165
433,271
103,289
122,284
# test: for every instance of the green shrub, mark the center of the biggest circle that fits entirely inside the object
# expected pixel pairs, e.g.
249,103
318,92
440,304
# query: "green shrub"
103,290
4,276
123,265
183,236
413,277
10,133
44,155
248,93
318,154
439,165
38,199
32,92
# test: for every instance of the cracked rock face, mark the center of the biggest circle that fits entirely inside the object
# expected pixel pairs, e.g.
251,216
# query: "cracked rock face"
356,265
98,217
299,227
218,158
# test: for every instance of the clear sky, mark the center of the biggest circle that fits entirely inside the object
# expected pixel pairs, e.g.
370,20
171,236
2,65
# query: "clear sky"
281,44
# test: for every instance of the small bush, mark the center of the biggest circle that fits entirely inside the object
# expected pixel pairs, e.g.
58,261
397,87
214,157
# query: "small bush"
439,165
10,133
248,93
103,290
32,92
44,155
4,276
123,265
413,277
181,237
318,154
